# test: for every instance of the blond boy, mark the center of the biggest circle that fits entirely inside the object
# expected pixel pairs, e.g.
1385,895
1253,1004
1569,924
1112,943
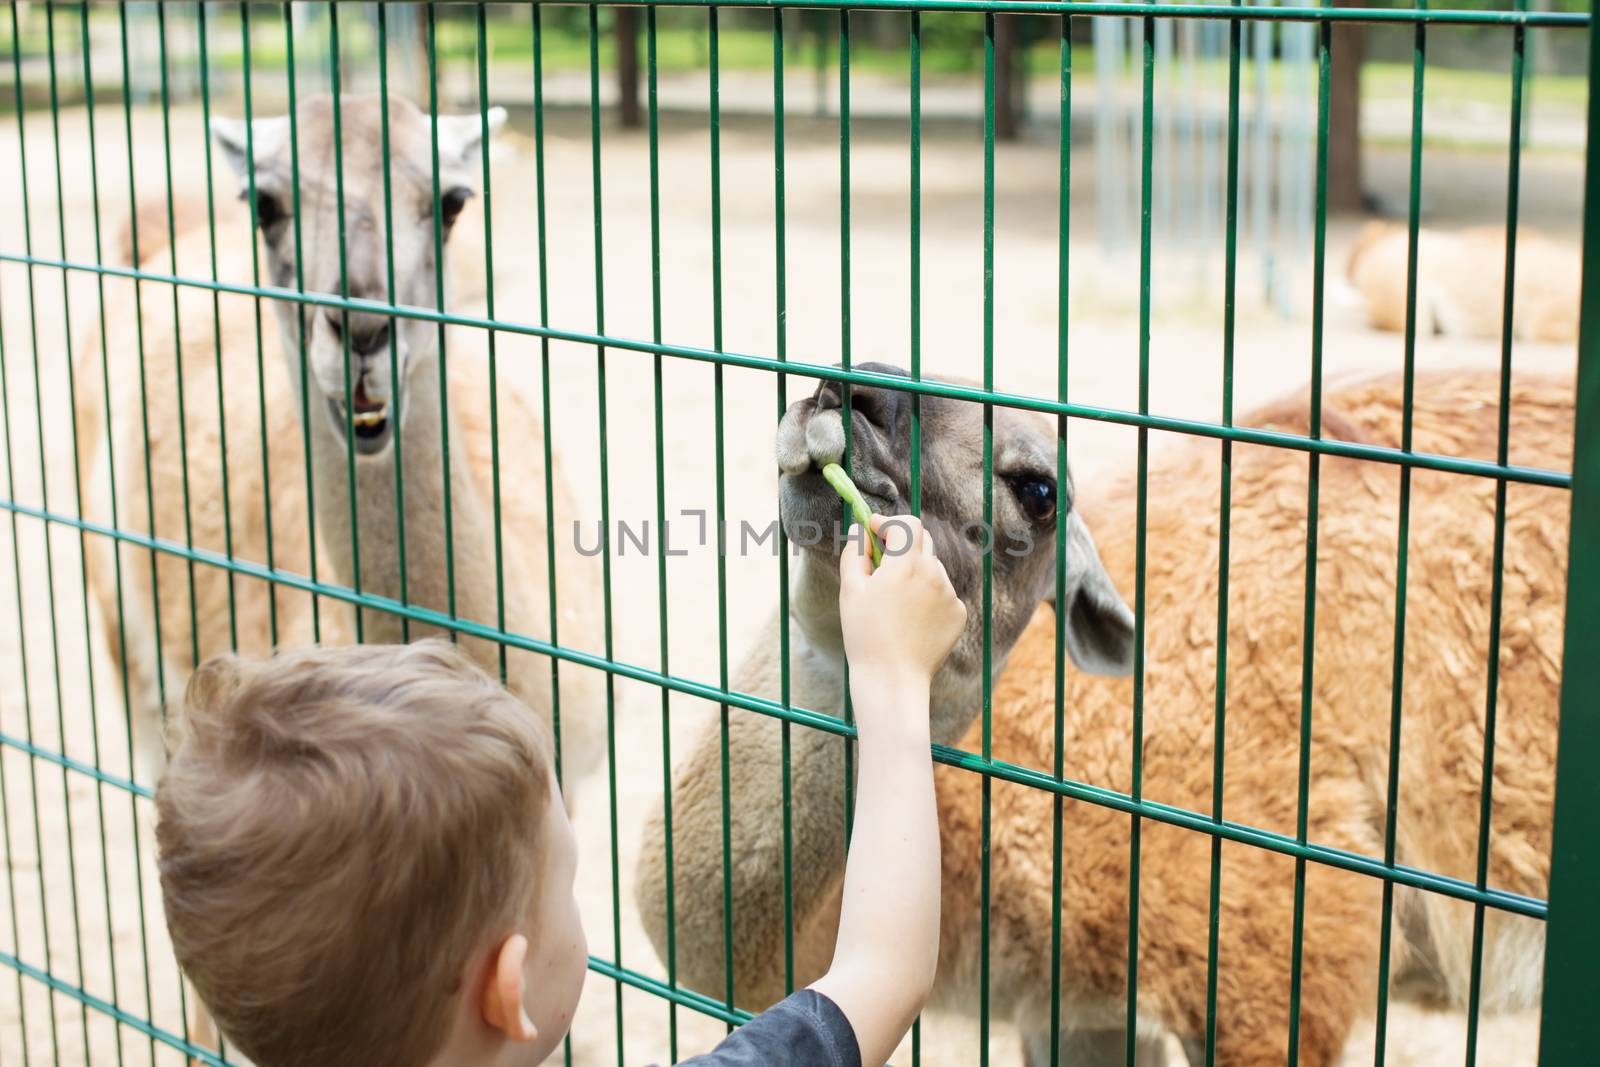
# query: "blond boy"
364,859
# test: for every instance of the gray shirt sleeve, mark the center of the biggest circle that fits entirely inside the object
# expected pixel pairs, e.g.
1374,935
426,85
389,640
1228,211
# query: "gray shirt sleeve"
804,1030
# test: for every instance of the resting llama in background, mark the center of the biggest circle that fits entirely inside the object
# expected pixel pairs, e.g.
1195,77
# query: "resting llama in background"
1461,279
1440,757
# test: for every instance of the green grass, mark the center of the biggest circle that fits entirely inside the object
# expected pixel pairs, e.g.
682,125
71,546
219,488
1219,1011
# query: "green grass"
1390,80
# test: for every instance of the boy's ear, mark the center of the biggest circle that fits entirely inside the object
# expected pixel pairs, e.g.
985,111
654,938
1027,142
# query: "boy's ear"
502,993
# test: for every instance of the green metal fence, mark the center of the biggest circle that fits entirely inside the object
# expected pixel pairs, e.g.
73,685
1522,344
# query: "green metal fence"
36,258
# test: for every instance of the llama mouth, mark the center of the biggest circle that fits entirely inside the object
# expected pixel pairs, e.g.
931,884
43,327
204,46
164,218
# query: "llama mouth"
367,419
814,518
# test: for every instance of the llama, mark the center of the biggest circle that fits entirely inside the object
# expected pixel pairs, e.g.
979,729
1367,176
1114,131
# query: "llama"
221,358
1440,767
1028,503
1461,281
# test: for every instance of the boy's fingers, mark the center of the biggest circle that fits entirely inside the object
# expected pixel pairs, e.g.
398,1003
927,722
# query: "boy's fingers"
855,563
887,526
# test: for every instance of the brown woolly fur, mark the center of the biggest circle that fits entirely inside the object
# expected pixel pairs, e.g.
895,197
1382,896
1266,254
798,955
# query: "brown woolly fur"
1441,755
1440,770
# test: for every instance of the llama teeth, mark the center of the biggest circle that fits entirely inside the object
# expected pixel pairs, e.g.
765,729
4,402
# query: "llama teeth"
374,417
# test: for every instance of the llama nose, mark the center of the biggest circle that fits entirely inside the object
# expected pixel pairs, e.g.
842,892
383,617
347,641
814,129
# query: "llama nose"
368,333
879,406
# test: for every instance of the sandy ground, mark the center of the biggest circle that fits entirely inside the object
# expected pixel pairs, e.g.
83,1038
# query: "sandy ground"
80,892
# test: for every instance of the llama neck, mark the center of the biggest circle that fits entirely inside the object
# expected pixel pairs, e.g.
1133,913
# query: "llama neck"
444,564
817,765
817,647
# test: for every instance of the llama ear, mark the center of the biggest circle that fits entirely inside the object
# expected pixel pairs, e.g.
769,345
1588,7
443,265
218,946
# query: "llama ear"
1099,623
461,136
234,137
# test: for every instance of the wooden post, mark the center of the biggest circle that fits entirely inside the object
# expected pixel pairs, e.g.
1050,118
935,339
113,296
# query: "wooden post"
1345,192
1007,118
628,66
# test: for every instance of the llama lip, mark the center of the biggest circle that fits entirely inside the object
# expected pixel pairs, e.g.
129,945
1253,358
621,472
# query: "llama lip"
812,514
367,419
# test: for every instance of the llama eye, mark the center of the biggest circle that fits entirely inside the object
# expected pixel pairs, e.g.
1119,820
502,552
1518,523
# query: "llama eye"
269,210
451,201
1036,497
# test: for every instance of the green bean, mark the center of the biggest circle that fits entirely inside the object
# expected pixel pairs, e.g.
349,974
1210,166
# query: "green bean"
848,492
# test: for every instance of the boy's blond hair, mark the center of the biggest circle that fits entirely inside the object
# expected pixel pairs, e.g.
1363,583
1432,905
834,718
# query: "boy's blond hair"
340,831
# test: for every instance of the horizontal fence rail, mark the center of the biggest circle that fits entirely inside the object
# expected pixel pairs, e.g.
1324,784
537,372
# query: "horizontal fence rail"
134,542
954,391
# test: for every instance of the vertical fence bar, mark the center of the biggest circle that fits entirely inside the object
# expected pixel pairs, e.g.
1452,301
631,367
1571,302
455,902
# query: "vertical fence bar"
544,375
484,134
1403,535
77,488
68,362
715,105
116,557
261,367
438,296
1224,536
654,111
177,332
915,107
177,357
337,96
1063,483
27,711
216,325
915,61
150,516
845,361
5,791
144,396
300,308
16,545
1136,827
44,500
544,378
1308,655
1572,941
987,608
396,435
781,255
1497,575
11,879
27,701
605,500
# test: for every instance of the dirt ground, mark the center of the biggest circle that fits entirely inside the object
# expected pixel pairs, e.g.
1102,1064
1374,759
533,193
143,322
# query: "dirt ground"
81,892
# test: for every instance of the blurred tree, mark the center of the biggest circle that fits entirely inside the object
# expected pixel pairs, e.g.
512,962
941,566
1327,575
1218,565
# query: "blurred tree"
627,29
1345,191
1007,77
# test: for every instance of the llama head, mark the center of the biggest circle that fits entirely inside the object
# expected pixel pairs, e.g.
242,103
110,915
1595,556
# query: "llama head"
390,203
1028,506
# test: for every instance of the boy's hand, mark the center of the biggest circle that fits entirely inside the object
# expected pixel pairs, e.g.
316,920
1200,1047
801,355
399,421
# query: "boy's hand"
901,620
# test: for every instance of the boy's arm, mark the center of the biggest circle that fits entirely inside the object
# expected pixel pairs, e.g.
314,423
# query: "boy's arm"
899,624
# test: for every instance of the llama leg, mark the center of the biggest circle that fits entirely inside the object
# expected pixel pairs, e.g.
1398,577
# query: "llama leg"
1338,967
1094,1048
